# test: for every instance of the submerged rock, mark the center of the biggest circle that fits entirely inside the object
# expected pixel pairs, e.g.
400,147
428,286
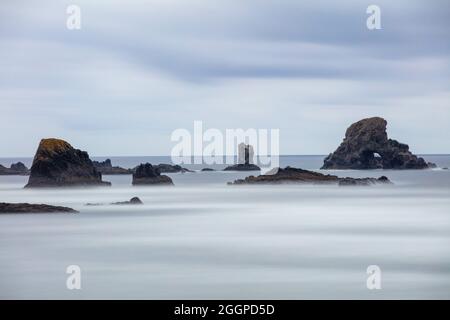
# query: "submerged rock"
33,208
58,164
207,169
106,167
146,174
366,146
245,160
15,169
134,200
295,175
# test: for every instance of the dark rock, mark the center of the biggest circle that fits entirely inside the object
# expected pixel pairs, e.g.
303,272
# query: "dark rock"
134,200
32,208
245,160
15,169
105,167
366,146
445,168
146,174
207,169
168,168
58,164
294,175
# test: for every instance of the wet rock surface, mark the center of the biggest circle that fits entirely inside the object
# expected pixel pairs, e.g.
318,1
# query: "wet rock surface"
58,164
366,146
33,208
296,175
146,174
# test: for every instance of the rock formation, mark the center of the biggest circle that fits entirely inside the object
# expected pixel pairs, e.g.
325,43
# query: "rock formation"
245,160
15,169
58,164
366,146
134,200
146,174
32,208
169,168
105,167
207,169
294,175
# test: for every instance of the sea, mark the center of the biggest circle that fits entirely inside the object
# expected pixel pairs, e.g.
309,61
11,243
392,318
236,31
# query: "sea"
204,239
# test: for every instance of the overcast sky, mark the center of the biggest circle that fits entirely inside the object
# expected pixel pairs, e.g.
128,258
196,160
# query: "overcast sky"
138,70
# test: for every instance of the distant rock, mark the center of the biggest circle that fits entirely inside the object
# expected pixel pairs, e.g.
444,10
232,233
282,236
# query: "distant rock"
15,169
169,168
58,164
366,146
146,174
207,169
105,167
33,208
295,175
245,160
134,200
445,168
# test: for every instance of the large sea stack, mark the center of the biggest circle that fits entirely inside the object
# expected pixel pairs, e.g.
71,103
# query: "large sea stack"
146,174
366,146
58,164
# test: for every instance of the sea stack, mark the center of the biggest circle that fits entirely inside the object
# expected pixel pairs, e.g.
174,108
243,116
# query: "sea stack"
245,159
15,169
366,146
58,164
146,174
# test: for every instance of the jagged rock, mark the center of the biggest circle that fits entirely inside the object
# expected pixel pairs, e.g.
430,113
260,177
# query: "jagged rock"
105,167
58,164
245,160
295,175
15,169
134,200
366,146
146,174
207,169
32,208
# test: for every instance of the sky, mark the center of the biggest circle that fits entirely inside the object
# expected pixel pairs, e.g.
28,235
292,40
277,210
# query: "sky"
138,70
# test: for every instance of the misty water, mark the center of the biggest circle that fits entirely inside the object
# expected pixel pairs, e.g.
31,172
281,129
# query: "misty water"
202,239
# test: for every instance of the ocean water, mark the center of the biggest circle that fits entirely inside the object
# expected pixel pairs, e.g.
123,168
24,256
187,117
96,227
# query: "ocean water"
202,239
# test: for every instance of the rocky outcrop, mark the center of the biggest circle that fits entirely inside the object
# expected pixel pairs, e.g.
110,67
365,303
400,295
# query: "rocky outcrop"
169,168
134,200
207,169
295,175
146,174
106,167
33,208
15,169
58,164
366,146
245,160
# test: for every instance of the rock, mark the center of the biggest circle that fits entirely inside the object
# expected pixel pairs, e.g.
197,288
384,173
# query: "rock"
245,160
445,168
295,175
105,167
32,208
146,174
134,200
207,169
366,146
58,164
168,168
15,169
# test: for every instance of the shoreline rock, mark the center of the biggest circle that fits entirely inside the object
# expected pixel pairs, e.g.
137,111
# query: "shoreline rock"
169,168
295,176
16,169
33,208
366,146
106,167
146,174
58,164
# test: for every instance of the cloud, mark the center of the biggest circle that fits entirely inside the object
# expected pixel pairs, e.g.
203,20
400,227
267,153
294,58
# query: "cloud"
137,71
